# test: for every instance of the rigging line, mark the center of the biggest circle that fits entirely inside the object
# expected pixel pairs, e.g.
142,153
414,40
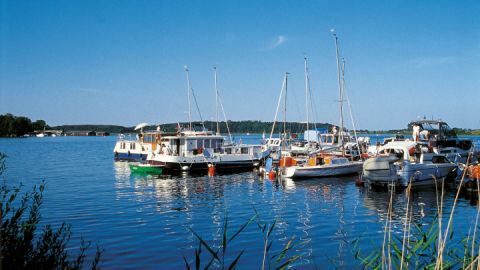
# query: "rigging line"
278,107
349,106
225,117
198,108
309,96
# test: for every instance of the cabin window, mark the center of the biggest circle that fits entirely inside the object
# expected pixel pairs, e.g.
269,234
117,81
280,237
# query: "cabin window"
439,159
218,143
200,143
132,146
228,150
207,144
244,150
122,145
191,144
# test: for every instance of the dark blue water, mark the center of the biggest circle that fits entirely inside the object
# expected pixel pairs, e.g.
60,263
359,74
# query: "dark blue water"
144,222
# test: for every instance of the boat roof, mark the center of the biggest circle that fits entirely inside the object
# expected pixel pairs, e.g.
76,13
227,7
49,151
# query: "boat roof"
400,145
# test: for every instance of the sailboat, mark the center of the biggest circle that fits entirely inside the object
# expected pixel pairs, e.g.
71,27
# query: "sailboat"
325,164
198,149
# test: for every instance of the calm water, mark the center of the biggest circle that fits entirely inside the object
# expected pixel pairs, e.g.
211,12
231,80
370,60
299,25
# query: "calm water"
143,222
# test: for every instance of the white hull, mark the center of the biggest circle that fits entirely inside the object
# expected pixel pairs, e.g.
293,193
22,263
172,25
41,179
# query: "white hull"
323,170
418,173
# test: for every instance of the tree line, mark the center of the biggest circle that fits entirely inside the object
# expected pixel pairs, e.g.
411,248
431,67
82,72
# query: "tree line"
16,126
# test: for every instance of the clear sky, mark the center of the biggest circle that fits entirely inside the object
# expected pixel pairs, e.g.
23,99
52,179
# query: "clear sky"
121,62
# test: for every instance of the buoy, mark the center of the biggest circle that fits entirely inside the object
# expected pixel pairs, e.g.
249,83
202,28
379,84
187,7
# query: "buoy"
211,170
359,181
272,175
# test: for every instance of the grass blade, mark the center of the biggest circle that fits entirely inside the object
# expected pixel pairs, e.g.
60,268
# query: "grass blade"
186,263
234,263
214,254
242,228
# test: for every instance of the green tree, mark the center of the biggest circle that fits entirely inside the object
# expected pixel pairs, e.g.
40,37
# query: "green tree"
39,125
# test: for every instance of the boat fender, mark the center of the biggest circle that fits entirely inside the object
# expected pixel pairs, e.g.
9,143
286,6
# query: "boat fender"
128,153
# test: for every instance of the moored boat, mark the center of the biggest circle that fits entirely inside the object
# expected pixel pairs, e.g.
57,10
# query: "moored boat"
403,162
145,168
138,149
197,150
324,167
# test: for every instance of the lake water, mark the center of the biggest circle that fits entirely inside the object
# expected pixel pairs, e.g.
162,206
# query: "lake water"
144,222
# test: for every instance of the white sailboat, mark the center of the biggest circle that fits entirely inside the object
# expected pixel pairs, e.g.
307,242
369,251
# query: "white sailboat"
325,164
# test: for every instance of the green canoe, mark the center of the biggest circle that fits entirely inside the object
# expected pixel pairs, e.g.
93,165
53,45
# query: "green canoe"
145,168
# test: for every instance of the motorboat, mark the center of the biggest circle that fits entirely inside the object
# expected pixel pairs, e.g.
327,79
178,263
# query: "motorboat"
437,135
137,149
191,150
400,163
323,166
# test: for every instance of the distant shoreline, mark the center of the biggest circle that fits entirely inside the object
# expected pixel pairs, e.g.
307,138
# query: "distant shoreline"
17,126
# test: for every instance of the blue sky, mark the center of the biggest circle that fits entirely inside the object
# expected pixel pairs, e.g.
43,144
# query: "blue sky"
121,62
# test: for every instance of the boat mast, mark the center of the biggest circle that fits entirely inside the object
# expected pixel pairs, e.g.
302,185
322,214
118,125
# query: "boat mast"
285,108
216,99
340,89
307,90
188,97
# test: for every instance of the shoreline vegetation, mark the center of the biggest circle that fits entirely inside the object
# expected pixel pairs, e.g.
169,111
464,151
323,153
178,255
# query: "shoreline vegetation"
26,244
18,126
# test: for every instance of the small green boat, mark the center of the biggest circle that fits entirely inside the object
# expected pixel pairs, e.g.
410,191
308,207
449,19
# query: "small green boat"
145,168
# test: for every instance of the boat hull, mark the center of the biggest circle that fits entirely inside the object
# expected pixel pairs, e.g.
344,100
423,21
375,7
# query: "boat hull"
323,170
226,163
417,174
119,156
145,169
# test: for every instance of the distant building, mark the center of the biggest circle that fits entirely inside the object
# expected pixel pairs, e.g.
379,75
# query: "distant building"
80,133
103,133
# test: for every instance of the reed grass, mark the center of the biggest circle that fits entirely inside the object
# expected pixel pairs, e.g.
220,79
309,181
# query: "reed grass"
217,256
426,248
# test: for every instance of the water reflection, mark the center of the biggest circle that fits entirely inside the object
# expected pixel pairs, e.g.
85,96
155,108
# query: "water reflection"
321,213
422,202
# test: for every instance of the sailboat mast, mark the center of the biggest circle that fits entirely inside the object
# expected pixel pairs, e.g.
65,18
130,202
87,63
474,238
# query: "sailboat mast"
285,107
340,88
307,88
188,97
216,99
